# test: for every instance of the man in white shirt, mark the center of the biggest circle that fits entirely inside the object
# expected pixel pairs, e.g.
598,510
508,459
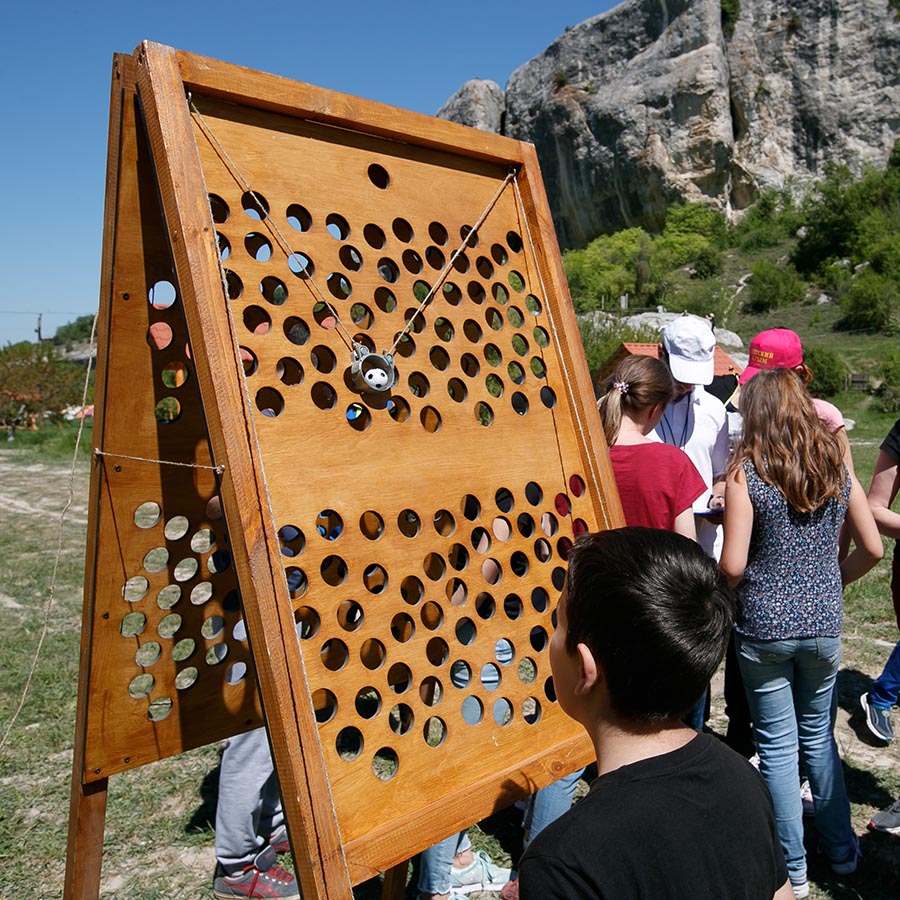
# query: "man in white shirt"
695,421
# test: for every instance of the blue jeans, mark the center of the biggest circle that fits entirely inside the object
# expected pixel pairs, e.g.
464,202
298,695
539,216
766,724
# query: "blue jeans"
548,804
544,806
886,687
435,863
696,718
789,686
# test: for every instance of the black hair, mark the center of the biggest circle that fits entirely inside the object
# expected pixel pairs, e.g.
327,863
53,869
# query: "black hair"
655,612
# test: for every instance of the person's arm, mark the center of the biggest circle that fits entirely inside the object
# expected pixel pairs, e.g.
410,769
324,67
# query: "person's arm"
860,522
785,892
738,527
684,524
841,434
717,500
883,492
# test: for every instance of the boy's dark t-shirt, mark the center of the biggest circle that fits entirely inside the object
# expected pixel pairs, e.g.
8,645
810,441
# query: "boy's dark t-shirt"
694,823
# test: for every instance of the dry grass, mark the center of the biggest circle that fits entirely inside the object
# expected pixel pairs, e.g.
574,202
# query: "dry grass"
159,840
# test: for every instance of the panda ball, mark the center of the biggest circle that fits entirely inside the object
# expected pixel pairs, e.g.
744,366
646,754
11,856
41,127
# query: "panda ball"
376,378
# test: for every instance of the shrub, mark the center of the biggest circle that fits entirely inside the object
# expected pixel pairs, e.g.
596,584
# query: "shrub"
35,383
707,263
773,286
773,218
730,10
870,304
601,336
889,393
829,371
701,298
604,270
696,218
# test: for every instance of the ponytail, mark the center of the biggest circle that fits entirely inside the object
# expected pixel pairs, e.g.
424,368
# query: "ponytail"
637,383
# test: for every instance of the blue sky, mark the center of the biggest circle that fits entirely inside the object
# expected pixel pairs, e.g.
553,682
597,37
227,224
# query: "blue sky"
56,65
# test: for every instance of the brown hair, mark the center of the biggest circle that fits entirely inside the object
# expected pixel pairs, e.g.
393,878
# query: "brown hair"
636,383
788,445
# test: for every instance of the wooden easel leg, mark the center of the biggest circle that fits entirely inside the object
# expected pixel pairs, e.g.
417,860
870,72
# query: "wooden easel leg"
87,817
394,885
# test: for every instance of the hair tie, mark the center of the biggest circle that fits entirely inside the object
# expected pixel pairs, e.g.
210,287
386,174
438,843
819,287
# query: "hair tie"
621,386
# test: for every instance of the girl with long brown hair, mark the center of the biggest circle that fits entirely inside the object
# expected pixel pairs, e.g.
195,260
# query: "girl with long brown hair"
788,493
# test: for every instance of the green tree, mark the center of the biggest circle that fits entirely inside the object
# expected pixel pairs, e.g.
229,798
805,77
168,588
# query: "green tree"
35,383
772,286
604,270
829,371
889,392
872,303
696,218
79,330
773,218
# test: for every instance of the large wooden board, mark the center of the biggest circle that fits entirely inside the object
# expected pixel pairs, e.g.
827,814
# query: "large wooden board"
415,539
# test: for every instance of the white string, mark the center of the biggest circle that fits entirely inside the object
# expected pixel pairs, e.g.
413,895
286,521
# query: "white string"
162,462
568,381
511,176
281,240
51,594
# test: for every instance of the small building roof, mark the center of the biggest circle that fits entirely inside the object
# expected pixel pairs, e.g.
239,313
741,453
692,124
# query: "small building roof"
724,364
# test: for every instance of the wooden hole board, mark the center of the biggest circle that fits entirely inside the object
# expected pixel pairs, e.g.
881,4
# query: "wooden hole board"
414,539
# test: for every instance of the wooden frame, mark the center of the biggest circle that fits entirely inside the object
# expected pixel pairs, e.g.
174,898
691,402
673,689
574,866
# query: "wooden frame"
360,521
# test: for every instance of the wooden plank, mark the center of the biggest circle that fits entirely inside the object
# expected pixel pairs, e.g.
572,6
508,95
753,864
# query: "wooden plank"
87,804
285,694
248,87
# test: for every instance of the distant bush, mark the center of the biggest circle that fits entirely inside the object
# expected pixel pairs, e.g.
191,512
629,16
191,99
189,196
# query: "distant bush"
701,298
856,219
602,335
773,218
604,270
79,330
889,393
870,304
829,371
696,218
635,263
730,9
772,286
707,263
36,384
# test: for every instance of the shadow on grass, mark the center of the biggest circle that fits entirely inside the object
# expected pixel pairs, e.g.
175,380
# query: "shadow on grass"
203,819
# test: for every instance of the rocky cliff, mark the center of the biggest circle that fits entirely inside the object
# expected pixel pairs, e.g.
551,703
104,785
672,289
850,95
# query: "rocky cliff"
654,102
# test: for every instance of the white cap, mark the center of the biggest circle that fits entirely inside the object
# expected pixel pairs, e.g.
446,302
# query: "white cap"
691,345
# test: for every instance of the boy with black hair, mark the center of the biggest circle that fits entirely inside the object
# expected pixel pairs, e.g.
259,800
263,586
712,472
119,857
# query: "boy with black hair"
642,624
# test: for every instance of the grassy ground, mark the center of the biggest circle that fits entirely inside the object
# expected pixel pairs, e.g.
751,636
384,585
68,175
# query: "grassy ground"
158,839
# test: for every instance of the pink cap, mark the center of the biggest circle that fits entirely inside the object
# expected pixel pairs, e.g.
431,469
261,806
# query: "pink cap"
777,348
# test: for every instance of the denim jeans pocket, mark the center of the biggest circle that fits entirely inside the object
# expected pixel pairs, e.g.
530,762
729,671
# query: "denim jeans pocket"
828,649
763,651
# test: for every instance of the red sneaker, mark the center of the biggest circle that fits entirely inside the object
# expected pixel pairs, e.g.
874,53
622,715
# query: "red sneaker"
263,879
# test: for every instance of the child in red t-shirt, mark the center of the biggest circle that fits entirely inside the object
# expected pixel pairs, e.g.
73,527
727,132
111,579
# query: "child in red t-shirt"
657,482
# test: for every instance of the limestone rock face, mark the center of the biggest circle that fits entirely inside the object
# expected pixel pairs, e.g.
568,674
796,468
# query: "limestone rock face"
652,103
479,103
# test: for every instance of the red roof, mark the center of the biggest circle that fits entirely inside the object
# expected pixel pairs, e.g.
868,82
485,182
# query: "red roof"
725,365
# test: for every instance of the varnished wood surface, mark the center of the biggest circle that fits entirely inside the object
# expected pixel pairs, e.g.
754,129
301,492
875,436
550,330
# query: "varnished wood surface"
461,576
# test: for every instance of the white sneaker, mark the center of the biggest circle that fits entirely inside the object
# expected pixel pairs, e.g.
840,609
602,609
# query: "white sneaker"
480,875
806,798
